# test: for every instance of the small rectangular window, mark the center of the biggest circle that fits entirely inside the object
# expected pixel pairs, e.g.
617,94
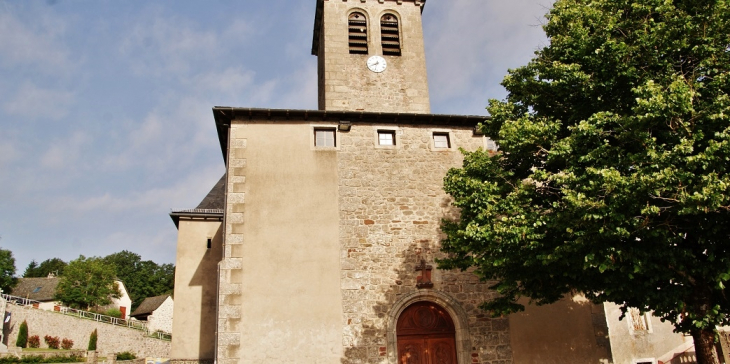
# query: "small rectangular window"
441,140
324,137
210,242
386,137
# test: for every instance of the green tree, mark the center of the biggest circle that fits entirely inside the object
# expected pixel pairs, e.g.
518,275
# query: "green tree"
92,341
142,278
87,283
53,265
22,340
7,270
612,176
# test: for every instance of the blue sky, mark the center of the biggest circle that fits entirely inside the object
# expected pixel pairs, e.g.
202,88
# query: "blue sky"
105,106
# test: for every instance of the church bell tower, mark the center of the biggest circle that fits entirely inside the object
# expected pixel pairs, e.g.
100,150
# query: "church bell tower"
371,56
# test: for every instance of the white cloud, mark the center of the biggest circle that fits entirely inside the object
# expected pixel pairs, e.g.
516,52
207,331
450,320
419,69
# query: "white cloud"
473,44
64,154
159,45
187,191
36,43
229,81
152,245
301,89
34,102
8,153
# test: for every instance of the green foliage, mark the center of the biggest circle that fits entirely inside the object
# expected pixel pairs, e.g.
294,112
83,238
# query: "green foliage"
612,177
41,359
126,355
7,271
87,282
113,312
52,341
53,265
142,278
34,342
92,341
22,340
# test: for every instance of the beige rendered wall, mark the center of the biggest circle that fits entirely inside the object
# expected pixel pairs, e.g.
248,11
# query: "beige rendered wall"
280,284
570,331
628,345
194,312
345,81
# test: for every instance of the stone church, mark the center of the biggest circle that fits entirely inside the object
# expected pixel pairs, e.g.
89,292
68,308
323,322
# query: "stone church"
318,244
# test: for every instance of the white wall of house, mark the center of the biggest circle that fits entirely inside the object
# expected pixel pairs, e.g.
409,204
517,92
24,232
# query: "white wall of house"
124,301
161,318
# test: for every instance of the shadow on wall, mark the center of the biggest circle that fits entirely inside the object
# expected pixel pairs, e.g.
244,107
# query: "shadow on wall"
367,325
206,276
370,335
572,330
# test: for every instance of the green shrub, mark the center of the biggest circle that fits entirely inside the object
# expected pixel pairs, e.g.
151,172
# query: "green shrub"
32,359
92,341
34,341
22,340
64,359
125,355
113,312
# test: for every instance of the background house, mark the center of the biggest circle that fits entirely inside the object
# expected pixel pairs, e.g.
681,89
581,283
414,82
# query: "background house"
43,290
157,311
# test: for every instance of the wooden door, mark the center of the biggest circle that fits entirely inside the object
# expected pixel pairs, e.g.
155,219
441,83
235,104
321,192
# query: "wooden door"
426,335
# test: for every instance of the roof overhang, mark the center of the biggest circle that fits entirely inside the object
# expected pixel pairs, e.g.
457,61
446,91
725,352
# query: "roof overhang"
225,115
319,15
196,214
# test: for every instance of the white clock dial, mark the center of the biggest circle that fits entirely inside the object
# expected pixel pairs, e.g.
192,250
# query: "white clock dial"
377,64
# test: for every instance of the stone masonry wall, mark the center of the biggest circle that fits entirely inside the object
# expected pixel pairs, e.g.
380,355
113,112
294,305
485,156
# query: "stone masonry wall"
161,318
110,338
230,267
345,81
391,205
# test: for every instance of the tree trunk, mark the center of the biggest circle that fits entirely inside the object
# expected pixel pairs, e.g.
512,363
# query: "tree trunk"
704,346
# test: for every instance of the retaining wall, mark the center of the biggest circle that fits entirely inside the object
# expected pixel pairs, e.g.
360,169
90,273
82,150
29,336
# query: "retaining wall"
111,338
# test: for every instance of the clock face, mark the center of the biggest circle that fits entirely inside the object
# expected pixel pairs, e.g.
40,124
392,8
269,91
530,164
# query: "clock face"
377,64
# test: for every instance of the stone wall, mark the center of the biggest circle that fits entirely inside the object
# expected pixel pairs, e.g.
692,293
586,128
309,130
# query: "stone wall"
161,318
345,81
110,338
391,205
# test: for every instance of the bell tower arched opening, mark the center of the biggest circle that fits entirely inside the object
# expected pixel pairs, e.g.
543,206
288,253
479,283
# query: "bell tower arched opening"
426,335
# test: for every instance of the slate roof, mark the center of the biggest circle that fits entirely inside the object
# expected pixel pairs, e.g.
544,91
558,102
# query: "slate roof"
38,289
215,200
211,207
149,305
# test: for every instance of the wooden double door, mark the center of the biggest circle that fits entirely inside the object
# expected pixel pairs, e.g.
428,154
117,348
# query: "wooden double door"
426,335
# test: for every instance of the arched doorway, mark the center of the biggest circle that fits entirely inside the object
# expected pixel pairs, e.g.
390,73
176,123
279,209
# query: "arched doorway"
426,335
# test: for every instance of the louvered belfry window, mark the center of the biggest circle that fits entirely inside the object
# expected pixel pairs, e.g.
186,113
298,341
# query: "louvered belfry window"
358,33
390,35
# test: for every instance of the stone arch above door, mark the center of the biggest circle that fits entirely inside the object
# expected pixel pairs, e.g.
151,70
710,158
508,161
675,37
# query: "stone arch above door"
449,304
